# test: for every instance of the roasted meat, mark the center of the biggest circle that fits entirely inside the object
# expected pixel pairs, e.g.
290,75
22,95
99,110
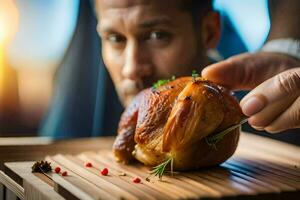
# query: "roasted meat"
173,120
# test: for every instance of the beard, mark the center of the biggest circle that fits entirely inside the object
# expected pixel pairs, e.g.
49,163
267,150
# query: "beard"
128,89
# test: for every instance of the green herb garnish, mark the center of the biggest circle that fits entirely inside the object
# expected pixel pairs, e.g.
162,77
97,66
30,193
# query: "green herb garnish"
159,170
162,82
194,75
212,140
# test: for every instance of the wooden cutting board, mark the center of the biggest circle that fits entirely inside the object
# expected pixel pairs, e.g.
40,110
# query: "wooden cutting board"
261,168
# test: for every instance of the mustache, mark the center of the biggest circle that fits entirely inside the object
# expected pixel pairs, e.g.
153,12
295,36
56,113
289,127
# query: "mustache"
134,86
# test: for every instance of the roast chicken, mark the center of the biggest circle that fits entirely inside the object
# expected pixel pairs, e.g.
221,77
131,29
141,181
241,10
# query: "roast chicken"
174,120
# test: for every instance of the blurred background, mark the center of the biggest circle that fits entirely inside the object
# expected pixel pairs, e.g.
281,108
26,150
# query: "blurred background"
34,37
52,79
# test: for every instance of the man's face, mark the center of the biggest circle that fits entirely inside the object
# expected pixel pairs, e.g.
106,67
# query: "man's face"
147,40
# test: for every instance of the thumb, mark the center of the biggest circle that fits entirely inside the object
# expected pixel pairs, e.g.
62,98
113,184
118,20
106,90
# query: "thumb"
274,104
282,87
246,71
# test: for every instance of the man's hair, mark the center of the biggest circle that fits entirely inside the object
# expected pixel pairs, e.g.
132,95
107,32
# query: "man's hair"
197,8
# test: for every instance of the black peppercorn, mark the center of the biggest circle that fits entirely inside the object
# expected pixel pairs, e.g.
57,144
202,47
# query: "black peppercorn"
41,167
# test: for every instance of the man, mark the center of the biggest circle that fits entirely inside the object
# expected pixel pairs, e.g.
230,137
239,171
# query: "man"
147,40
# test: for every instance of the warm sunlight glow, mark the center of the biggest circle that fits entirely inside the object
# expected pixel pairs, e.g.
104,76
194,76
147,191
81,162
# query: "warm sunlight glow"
2,33
8,28
8,20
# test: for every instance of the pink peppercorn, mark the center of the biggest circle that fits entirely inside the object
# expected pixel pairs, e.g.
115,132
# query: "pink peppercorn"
65,173
137,180
88,164
57,170
104,171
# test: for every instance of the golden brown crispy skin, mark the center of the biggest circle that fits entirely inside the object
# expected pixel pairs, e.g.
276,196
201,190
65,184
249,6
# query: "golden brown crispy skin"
173,120
155,109
195,114
124,143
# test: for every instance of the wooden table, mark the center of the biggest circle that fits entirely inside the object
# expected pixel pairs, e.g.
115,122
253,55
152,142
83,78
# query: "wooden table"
261,168
14,149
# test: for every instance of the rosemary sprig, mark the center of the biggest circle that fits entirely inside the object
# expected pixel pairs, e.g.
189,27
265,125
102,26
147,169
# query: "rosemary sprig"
214,139
159,170
162,82
194,75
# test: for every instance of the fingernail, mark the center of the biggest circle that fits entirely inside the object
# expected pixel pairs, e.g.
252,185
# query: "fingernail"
258,128
270,130
252,106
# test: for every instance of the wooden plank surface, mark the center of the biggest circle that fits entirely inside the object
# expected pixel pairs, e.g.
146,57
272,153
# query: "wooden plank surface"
27,149
34,186
10,184
261,168
36,148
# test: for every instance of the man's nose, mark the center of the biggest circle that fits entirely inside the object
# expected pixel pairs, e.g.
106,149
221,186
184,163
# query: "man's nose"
137,64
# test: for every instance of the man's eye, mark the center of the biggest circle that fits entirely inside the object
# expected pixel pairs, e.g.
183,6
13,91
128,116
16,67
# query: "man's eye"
115,38
159,35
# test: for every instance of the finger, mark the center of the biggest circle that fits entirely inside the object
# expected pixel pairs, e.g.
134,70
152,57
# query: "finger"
287,120
282,87
271,112
246,71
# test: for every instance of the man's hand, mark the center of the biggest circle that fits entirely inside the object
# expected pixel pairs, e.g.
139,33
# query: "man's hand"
274,102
